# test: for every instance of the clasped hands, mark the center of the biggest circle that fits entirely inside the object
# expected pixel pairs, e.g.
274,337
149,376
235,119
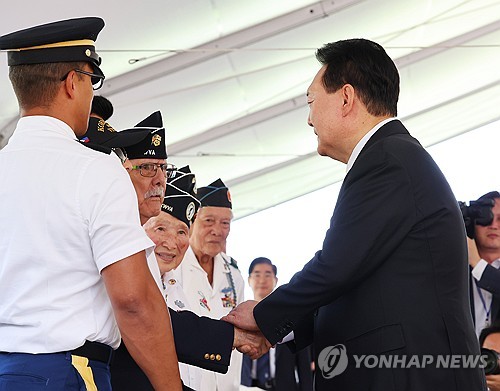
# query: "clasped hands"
247,337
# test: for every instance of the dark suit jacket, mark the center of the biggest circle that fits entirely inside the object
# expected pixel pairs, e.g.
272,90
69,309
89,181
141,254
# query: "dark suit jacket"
391,278
286,363
194,337
490,281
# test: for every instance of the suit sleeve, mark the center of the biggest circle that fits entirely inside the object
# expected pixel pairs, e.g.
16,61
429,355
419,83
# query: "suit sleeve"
201,341
302,334
374,213
490,280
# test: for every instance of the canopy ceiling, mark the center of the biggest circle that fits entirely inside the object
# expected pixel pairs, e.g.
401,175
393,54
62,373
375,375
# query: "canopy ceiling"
230,76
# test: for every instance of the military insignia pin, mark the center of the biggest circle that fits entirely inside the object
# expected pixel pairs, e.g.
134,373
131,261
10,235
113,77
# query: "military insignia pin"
203,301
179,304
156,140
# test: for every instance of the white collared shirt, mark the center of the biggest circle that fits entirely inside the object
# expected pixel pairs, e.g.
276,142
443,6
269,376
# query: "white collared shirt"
213,301
482,310
361,143
67,212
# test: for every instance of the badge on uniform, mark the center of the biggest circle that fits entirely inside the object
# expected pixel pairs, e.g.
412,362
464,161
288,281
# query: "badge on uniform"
227,298
179,304
203,301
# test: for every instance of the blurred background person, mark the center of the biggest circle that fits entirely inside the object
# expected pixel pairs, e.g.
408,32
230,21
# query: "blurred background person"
279,369
484,258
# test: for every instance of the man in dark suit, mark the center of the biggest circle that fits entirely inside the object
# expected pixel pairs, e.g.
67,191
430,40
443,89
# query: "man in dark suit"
277,369
391,281
484,259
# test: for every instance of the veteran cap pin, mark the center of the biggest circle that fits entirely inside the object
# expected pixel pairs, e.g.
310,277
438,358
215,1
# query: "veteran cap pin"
153,147
180,196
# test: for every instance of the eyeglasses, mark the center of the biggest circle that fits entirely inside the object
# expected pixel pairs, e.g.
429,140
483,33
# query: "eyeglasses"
97,80
149,169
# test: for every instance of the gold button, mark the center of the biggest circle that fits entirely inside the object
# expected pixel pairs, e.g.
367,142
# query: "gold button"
207,356
212,357
172,281
218,357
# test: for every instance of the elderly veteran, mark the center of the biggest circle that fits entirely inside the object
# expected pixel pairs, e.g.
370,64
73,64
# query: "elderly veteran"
170,233
199,341
211,280
81,278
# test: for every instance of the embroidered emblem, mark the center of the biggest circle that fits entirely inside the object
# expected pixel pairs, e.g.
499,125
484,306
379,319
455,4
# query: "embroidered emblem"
203,301
156,140
190,211
195,189
179,303
228,300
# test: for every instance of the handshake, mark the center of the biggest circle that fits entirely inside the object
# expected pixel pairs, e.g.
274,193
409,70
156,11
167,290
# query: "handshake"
247,337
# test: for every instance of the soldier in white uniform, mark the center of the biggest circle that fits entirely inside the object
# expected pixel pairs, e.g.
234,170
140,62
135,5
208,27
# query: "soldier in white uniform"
72,255
211,279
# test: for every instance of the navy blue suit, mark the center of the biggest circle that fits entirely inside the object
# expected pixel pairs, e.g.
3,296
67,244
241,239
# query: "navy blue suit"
391,278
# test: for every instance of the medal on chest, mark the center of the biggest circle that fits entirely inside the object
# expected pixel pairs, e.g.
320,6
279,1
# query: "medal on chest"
203,301
227,297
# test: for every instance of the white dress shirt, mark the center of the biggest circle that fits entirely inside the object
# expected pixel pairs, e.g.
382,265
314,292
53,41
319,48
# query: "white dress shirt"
482,298
361,143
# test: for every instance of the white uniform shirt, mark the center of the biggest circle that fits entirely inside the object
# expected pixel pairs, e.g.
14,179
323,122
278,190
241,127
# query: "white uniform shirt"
214,302
67,212
176,299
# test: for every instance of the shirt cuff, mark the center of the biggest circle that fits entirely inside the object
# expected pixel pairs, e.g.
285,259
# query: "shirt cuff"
289,337
478,270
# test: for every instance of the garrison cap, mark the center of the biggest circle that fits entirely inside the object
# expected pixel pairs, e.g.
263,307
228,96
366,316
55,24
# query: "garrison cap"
180,196
70,40
153,146
99,132
101,107
215,194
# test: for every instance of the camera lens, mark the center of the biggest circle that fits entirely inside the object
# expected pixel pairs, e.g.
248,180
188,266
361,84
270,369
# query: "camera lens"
492,366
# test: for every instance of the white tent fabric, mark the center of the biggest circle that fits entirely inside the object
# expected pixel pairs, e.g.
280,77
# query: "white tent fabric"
230,76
